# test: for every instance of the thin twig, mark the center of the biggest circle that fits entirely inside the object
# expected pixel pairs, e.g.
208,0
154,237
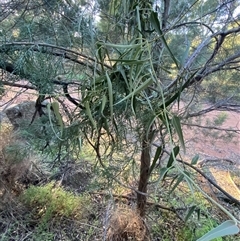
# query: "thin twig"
212,127
234,200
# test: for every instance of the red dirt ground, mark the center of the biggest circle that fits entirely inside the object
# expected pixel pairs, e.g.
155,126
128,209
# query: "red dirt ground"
211,147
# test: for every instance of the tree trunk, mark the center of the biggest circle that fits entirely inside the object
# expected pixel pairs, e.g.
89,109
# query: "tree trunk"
144,175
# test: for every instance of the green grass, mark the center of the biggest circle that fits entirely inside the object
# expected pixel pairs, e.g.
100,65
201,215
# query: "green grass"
50,202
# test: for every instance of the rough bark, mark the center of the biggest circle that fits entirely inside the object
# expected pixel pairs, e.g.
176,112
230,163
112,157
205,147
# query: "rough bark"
144,175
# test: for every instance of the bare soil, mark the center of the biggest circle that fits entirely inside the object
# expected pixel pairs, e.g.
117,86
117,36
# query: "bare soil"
209,145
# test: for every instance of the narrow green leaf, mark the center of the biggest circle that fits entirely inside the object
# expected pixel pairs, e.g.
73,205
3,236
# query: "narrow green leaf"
110,95
124,46
157,155
173,155
190,212
164,118
143,86
55,107
195,159
49,105
189,182
104,101
105,126
155,22
156,25
130,61
89,113
229,227
123,74
179,180
163,173
133,104
150,123
138,20
177,125
198,213
100,52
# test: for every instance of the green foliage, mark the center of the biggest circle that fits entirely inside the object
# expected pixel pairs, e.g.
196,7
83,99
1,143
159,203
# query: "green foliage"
169,228
51,201
220,119
16,153
227,228
196,230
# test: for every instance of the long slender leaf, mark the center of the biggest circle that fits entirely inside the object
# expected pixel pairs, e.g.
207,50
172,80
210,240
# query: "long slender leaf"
179,180
190,212
104,101
50,119
163,173
177,125
156,25
143,86
195,159
157,154
123,74
124,46
229,227
89,113
130,61
55,107
173,155
110,95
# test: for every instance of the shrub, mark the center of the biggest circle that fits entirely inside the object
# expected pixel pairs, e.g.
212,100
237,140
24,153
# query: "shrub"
51,201
220,119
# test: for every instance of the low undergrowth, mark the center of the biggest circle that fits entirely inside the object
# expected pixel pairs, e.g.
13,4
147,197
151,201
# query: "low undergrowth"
57,210
52,201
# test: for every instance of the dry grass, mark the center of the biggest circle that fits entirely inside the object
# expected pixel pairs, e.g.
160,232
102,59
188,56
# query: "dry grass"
126,224
14,162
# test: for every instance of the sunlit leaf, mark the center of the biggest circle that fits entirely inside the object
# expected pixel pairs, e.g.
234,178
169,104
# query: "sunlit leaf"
49,105
110,95
229,227
103,104
195,159
124,46
55,107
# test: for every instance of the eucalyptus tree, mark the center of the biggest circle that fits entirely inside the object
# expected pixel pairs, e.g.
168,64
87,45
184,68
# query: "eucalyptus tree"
119,76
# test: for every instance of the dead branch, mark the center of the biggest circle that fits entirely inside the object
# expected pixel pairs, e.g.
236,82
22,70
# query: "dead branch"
230,197
212,128
220,106
25,86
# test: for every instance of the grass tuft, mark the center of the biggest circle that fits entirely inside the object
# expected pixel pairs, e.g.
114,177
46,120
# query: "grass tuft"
52,201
